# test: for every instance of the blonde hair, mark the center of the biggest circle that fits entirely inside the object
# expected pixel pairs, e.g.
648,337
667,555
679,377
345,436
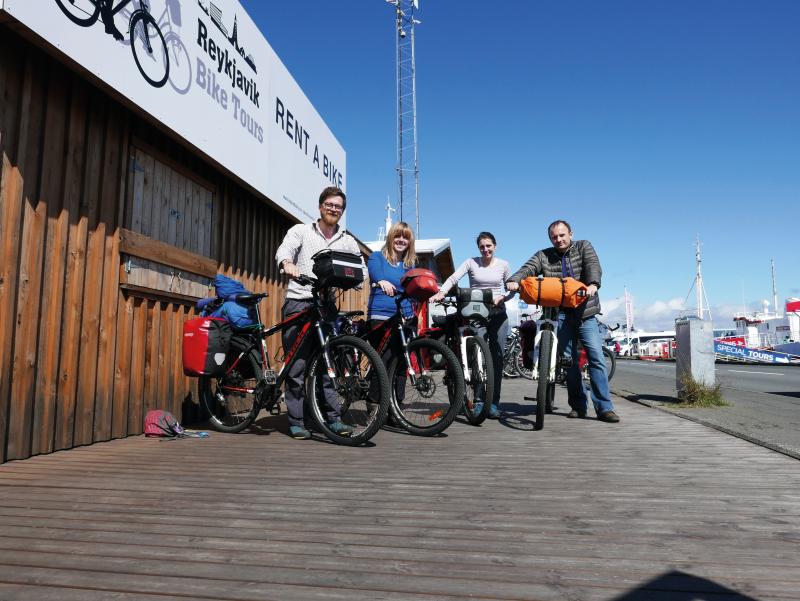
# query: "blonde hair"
401,227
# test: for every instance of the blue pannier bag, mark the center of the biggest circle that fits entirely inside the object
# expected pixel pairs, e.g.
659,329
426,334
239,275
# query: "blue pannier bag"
240,316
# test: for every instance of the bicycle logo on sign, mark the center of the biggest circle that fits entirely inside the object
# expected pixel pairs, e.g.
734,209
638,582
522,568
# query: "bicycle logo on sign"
147,42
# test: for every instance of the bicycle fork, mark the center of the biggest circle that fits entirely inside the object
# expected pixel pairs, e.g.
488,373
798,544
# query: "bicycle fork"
548,327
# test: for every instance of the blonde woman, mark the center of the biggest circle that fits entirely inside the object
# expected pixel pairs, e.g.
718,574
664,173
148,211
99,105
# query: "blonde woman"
386,269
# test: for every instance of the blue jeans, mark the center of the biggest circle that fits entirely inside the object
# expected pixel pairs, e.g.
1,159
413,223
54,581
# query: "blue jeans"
572,327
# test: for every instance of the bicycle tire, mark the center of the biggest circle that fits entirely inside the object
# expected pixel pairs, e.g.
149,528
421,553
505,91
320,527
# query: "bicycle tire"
612,360
543,372
510,360
421,410
519,364
361,387
73,13
480,388
144,19
227,410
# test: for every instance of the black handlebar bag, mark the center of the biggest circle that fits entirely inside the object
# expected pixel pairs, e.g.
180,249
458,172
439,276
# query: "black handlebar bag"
337,269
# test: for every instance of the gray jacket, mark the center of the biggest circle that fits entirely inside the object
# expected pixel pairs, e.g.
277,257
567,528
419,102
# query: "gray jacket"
583,261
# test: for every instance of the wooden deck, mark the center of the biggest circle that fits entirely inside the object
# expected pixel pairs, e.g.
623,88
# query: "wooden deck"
656,508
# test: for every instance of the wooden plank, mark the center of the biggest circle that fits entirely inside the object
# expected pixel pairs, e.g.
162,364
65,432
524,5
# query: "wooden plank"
137,386
113,184
74,269
152,358
157,209
83,429
179,198
170,233
147,195
138,245
20,415
166,343
56,234
122,368
11,186
137,200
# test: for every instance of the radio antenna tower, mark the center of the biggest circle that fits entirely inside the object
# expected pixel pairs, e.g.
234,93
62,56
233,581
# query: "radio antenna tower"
407,157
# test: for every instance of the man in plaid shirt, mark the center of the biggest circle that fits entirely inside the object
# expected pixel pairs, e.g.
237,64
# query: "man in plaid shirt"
294,254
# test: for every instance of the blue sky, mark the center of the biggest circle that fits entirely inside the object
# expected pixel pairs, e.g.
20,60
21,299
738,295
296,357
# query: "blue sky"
643,124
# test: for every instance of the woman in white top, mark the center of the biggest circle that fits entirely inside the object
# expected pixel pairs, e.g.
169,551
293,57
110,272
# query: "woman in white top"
487,272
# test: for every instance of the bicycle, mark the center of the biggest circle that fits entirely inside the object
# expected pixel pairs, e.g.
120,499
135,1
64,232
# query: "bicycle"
142,28
344,374
457,330
425,377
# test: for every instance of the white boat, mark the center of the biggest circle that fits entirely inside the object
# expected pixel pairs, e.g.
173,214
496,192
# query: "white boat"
771,330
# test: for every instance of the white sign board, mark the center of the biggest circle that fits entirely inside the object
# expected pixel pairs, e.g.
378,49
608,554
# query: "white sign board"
204,70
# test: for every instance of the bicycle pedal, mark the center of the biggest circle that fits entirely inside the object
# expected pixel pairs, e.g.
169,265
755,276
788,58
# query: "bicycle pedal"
270,377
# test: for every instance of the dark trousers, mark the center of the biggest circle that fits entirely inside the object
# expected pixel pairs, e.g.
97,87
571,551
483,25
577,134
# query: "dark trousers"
294,392
496,334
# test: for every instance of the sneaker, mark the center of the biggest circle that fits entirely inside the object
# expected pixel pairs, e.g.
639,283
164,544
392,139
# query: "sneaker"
609,417
574,414
477,408
340,428
494,412
299,433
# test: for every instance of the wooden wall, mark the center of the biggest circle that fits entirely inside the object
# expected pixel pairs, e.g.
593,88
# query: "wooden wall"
85,352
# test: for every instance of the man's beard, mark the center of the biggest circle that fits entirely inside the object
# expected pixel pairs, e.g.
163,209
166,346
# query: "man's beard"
329,219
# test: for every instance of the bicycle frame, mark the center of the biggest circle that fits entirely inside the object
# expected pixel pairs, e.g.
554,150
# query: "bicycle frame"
547,325
456,330
399,324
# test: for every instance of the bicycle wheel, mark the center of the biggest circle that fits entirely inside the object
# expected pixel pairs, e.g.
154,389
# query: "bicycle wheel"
519,364
543,372
480,387
357,394
431,402
80,12
149,50
231,402
611,362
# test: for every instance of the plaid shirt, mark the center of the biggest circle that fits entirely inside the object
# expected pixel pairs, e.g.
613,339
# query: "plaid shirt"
304,240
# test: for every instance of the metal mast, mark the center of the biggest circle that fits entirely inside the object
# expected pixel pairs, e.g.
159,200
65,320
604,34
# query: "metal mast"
407,157
702,299
774,290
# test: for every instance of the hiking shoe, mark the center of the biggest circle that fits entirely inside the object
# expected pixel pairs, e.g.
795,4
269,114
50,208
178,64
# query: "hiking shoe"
494,412
609,417
340,428
575,414
299,433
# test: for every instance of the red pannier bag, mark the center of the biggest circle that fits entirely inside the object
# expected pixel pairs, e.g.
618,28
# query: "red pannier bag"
205,343
419,284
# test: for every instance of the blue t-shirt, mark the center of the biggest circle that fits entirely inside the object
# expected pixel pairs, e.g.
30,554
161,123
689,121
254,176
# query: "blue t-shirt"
382,306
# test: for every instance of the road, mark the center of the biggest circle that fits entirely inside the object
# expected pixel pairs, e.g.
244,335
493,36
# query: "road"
765,399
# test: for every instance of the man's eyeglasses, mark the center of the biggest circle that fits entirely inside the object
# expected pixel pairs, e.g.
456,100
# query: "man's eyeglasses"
333,207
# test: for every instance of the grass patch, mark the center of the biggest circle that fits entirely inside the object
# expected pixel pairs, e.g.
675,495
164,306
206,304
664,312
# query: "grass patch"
695,394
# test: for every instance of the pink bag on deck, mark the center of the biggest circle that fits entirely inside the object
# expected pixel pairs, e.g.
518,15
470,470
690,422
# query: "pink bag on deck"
162,423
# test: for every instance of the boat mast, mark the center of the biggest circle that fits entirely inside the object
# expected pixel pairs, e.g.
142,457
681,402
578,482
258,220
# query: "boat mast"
774,290
702,300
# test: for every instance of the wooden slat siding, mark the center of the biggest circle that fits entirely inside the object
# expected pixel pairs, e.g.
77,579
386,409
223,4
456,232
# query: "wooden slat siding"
92,290
30,258
154,250
153,341
179,191
10,214
74,269
113,177
165,345
134,222
122,367
55,242
147,195
170,234
138,366
188,193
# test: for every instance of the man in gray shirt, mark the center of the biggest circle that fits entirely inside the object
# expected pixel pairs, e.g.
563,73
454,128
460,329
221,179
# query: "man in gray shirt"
294,254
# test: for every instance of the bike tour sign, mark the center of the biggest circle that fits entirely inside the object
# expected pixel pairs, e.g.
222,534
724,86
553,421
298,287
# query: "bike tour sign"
750,354
204,70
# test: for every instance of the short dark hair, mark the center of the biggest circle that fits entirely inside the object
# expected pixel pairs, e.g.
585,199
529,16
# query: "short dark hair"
558,222
330,192
483,235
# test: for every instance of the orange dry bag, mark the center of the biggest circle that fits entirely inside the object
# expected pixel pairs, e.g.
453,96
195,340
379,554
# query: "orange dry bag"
553,292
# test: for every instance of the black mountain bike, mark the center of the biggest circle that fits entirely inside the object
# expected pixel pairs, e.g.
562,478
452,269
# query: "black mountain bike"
457,331
147,42
344,374
425,377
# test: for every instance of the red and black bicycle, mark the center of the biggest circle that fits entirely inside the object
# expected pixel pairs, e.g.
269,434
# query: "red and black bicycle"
345,378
